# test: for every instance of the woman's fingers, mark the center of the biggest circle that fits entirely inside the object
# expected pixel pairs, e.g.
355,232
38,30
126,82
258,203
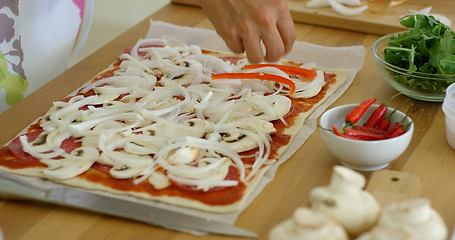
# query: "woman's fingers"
253,26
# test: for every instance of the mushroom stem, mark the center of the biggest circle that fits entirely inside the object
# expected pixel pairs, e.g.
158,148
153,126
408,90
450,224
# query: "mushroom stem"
346,181
345,202
307,224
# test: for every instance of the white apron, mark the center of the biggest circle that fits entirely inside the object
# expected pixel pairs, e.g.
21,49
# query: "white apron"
37,40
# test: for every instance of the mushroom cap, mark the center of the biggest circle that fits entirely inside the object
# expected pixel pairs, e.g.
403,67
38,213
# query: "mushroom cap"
412,219
345,202
357,213
415,217
346,180
306,224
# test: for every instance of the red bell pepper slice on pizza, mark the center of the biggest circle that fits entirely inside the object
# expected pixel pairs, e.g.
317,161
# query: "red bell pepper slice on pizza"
306,73
261,76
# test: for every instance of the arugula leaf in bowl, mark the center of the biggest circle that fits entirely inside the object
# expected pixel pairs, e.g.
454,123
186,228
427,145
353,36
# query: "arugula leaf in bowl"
428,47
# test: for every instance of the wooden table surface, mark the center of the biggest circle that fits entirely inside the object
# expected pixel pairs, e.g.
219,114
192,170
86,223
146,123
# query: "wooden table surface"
428,157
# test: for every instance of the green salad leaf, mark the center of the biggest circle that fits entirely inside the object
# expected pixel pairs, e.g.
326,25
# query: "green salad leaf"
427,47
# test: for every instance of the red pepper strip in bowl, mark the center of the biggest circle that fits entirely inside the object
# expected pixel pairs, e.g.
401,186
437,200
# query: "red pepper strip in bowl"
261,76
356,113
306,73
369,129
398,128
365,135
339,133
397,132
393,129
384,124
379,113
376,116
362,135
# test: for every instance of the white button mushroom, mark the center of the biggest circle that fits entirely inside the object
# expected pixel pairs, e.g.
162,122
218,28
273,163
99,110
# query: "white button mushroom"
345,201
74,164
307,224
412,219
244,134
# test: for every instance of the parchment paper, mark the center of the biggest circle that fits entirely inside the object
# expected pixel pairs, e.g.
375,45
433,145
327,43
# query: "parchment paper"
350,58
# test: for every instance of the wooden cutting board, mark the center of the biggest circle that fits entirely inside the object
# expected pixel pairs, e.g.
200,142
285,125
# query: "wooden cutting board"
392,186
378,19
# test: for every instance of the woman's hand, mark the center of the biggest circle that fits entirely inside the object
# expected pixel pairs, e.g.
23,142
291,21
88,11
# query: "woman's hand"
244,24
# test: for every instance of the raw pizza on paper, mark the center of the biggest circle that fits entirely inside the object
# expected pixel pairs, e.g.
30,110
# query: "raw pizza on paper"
173,123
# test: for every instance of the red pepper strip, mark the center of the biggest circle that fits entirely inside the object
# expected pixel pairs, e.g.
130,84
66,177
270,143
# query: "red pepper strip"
392,129
398,125
262,76
339,133
397,132
403,128
357,112
363,134
306,73
384,124
379,113
336,131
376,116
369,129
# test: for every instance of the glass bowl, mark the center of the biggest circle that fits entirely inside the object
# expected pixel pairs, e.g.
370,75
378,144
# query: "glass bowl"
417,85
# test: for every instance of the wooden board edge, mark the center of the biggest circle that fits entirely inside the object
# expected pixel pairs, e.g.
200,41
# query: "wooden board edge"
186,2
319,18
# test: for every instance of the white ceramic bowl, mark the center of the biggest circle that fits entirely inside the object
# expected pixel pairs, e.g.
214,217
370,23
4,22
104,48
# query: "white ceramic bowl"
358,154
